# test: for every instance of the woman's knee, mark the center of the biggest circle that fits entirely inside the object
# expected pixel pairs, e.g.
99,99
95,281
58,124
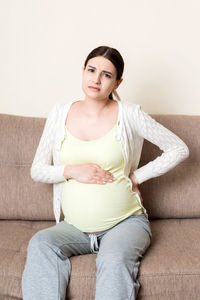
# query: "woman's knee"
112,259
39,239
123,255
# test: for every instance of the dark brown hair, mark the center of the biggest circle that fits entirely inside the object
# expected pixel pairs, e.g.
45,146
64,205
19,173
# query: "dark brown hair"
114,56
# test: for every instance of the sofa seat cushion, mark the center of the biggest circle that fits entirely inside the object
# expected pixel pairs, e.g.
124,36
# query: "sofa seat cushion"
170,269
168,265
15,236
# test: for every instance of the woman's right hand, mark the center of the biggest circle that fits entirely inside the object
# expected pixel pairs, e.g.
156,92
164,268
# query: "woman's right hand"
88,173
135,185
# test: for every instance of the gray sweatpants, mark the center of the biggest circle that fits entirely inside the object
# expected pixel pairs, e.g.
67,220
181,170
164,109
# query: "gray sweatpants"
119,251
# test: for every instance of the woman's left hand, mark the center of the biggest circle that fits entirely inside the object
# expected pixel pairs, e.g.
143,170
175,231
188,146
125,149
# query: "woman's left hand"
135,186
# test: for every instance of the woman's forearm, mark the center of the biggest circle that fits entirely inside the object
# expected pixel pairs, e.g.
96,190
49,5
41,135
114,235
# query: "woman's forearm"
47,173
174,149
42,169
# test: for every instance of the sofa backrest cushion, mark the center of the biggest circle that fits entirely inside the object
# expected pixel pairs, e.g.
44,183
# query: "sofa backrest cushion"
172,195
21,197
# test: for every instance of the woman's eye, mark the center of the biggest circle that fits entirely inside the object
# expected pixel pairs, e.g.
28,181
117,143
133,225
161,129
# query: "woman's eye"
107,75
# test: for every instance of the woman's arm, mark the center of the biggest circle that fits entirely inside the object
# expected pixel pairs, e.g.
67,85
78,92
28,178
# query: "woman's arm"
174,149
42,169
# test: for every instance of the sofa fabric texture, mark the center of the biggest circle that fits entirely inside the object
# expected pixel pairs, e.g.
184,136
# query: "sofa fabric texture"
169,270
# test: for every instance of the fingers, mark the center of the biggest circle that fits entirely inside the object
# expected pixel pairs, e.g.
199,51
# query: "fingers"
107,177
101,176
104,179
136,190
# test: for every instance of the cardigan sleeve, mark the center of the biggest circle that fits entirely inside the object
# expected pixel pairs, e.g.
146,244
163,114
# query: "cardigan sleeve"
42,169
174,149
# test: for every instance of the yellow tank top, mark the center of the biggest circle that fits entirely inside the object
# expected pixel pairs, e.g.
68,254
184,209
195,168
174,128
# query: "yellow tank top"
96,207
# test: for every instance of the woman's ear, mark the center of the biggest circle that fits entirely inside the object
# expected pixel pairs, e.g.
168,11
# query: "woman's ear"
118,83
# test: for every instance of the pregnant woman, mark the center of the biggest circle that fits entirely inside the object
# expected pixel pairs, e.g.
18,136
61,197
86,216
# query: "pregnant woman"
90,150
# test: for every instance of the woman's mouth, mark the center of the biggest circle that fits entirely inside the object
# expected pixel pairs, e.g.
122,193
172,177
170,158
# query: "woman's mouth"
94,89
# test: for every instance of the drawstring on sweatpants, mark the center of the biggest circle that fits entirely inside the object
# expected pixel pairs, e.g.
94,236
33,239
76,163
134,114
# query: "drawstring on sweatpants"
93,242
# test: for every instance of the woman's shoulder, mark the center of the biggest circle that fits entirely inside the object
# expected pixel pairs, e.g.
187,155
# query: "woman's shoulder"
129,106
60,105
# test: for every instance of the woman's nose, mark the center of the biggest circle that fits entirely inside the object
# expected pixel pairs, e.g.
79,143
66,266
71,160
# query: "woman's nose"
97,78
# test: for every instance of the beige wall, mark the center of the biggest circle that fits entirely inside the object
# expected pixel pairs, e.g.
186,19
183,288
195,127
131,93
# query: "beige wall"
44,44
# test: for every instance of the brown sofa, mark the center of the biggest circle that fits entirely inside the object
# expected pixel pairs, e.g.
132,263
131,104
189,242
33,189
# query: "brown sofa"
170,269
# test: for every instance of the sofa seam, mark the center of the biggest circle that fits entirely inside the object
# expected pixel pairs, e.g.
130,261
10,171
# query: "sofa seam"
171,274
141,276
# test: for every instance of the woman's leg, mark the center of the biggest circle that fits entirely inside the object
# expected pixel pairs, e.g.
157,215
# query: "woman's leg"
120,251
47,270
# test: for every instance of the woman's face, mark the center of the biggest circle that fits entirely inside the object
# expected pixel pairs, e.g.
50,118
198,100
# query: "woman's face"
99,78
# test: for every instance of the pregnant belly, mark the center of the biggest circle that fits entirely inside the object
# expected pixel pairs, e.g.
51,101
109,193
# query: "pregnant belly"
95,207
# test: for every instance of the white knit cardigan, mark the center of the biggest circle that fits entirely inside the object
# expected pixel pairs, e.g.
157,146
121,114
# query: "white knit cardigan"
134,126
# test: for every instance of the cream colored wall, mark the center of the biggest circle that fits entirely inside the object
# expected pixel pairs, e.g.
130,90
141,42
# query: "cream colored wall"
44,44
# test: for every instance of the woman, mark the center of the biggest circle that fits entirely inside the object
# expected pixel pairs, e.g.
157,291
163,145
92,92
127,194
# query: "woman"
95,145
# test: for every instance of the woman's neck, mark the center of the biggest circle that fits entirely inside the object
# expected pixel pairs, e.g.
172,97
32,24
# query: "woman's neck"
96,107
